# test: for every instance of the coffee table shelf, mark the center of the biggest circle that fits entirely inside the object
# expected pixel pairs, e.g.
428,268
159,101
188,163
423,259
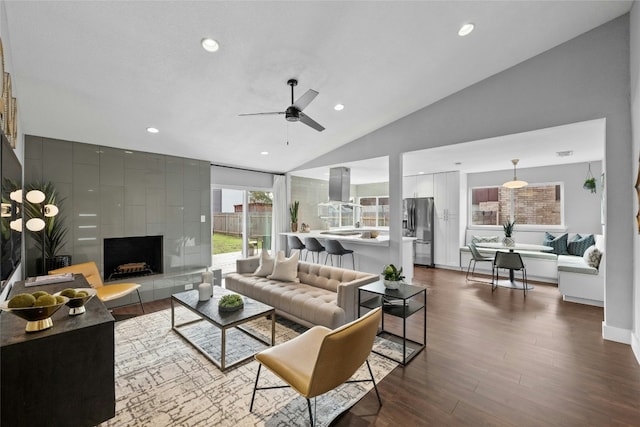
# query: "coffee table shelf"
208,311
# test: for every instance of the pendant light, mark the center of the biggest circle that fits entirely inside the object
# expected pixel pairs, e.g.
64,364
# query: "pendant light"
515,183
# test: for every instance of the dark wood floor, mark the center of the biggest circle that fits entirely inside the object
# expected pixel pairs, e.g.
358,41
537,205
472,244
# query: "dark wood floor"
498,359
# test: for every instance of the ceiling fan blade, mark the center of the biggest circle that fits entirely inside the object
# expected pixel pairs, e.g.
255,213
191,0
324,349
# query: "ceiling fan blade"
310,122
305,99
262,114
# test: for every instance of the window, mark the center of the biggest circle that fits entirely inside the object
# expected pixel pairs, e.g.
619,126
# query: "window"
535,204
374,211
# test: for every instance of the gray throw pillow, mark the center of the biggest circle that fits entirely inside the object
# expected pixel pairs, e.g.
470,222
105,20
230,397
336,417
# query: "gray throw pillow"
559,244
579,244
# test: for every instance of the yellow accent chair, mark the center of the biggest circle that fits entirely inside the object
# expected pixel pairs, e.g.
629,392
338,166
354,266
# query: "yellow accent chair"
321,359
105,292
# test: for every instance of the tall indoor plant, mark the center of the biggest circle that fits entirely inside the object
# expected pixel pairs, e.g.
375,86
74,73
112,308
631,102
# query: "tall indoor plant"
52,238
293,211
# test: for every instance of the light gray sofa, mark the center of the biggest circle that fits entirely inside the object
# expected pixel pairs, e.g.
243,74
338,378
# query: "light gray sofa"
325,295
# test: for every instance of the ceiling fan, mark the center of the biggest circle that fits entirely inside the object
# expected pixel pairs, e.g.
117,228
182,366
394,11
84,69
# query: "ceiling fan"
294,112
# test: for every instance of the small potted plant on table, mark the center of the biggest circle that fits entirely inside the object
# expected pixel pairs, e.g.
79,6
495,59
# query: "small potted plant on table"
392,276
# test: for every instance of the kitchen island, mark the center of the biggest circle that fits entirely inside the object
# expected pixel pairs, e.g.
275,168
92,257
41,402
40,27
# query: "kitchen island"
371,254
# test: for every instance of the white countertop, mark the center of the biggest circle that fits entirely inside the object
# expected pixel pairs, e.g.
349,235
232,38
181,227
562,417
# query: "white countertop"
381,240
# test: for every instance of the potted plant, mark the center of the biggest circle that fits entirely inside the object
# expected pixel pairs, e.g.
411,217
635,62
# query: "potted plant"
508,232
293,211
590,184
51,239
392,276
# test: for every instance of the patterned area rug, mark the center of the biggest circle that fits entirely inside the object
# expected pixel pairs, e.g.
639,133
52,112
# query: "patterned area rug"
161,380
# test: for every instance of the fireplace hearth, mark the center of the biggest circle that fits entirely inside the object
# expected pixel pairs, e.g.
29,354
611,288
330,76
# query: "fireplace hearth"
132,257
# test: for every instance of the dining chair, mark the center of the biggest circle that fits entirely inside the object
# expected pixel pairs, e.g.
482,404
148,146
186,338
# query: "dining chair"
321,359
476,257
511,261
104,292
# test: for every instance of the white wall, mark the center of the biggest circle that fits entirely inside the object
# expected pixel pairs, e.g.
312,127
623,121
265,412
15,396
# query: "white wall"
582,208
585,78
635,125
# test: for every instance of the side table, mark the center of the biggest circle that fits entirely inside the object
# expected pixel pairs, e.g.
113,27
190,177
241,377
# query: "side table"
403,302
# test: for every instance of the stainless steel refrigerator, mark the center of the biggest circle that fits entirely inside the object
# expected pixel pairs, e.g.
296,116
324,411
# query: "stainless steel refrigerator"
417,221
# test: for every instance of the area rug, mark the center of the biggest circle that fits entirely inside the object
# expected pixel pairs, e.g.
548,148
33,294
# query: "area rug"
161,380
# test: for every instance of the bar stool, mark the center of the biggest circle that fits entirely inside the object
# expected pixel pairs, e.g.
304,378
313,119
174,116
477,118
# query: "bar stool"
334,247
295,243
313,245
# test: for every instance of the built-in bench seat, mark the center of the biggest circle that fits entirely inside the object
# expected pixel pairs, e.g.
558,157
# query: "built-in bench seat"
577,280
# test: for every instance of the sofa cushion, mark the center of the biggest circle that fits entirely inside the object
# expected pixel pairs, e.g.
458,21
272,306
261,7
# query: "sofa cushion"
592,256
559,244
574,264
312,304
285,269
579,244
266,264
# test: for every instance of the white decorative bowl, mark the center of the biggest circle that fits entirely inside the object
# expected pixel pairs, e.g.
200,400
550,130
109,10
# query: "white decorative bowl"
391,284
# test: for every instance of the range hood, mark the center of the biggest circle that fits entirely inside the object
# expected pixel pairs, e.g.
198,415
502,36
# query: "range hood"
339,184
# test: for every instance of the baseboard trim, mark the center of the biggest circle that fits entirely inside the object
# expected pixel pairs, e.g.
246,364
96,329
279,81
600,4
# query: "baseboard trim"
612,333
635,346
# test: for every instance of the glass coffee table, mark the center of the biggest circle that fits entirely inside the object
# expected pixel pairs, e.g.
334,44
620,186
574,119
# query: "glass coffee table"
208,311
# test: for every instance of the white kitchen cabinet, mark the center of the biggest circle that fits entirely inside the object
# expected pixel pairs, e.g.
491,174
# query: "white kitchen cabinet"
409,187
446,241
424,185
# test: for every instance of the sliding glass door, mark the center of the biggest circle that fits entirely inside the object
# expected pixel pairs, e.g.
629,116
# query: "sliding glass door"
242,223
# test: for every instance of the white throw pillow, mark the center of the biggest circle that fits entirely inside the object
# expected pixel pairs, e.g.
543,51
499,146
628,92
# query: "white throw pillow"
266,264
285,269
592,256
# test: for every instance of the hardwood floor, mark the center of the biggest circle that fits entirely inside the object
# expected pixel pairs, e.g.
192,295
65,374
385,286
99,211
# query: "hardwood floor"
502,360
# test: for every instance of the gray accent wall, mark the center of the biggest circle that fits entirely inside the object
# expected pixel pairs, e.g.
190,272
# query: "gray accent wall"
111,192
583,79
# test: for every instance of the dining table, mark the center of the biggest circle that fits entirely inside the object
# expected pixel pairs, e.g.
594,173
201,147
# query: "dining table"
515,247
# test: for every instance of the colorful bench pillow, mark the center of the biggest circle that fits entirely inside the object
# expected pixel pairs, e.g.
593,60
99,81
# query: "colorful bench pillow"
559,244
579,244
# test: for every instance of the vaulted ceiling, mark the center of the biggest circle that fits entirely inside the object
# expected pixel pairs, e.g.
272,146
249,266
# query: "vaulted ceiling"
102,72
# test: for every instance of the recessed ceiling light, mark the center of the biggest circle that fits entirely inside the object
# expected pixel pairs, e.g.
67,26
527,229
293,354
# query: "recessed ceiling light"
466,29
210,45
152,130
339,107
264,153
420,173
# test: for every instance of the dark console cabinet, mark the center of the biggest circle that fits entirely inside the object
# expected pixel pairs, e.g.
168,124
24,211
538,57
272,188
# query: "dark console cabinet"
63,376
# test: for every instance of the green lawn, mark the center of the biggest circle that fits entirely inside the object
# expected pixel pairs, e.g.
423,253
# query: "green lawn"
223,244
